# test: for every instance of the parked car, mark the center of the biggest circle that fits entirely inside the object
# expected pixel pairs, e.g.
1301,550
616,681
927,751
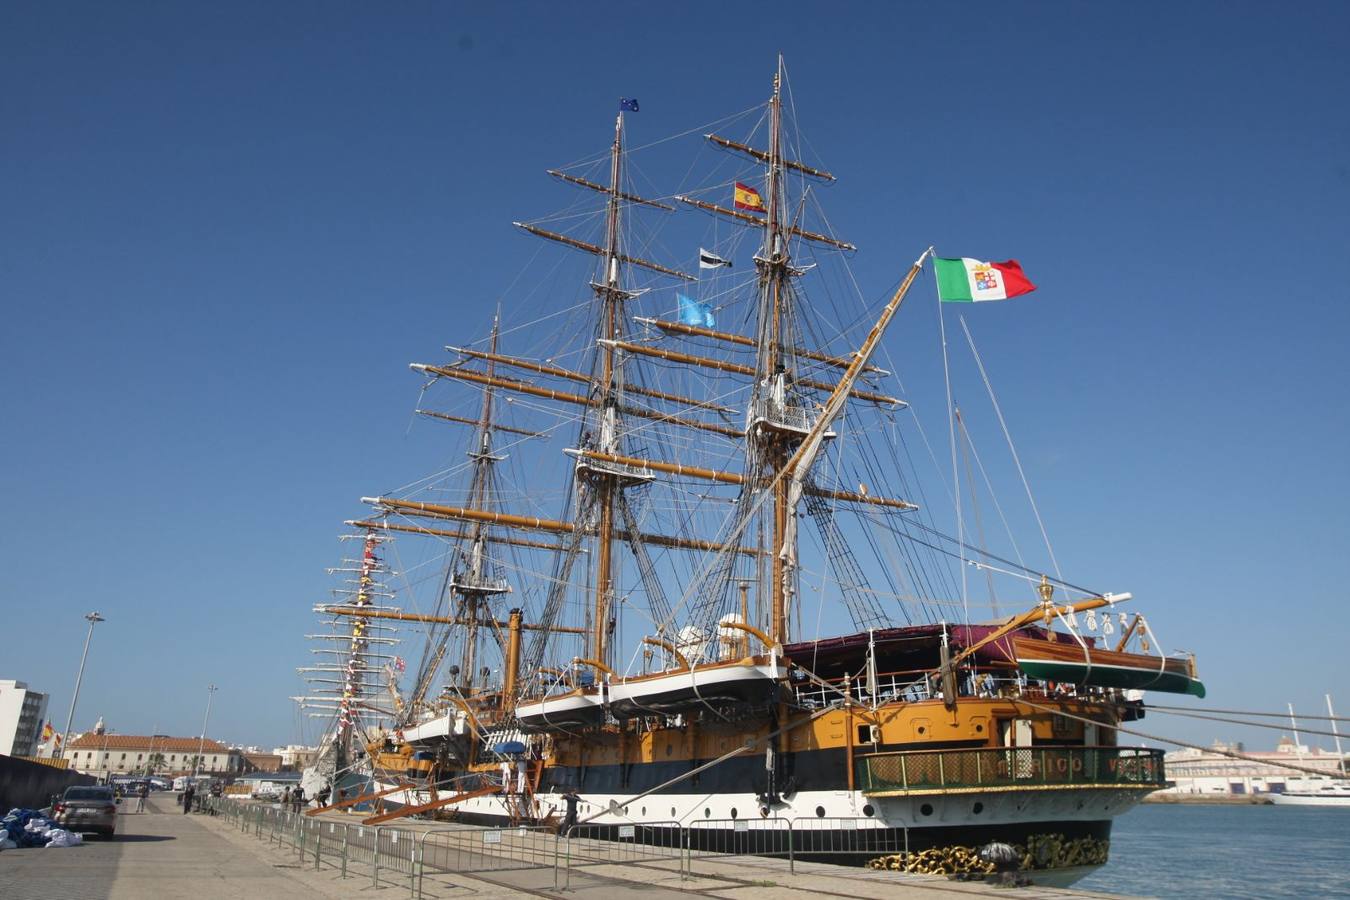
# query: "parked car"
87,809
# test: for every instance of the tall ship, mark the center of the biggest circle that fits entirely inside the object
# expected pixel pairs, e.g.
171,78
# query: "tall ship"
688,576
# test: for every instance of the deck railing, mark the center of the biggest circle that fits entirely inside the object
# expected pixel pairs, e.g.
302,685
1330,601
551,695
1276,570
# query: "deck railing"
926,771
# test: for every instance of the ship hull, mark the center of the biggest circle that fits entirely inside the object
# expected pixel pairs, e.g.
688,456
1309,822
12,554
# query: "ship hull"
840,827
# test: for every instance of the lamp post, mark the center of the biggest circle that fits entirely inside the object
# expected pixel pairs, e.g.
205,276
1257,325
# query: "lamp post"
93,618
201,744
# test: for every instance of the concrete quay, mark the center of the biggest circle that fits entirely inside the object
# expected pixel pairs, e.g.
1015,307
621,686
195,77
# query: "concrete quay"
163,853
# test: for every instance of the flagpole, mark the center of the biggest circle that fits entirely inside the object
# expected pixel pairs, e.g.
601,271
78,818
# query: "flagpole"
951,435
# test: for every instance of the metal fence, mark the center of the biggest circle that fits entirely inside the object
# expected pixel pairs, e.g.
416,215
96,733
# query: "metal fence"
410,852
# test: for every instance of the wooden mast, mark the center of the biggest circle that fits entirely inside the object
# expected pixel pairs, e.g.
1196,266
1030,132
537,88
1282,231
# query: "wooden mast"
608,396
773,277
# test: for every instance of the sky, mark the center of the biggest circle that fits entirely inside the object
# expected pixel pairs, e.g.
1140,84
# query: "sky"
226,229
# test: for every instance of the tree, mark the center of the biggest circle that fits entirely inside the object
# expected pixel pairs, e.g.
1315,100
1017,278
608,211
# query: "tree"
155,763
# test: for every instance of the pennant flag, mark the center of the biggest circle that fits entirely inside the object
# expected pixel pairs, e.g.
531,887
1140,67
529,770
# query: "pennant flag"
693,312
708,260
747,197
968,280
628,104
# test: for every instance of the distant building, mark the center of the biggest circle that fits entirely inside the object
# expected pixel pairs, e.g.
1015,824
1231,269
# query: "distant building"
296,757
1207,772
262,762
21,717
97,754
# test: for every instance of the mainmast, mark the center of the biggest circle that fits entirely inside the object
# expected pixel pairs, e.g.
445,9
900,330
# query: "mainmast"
605,484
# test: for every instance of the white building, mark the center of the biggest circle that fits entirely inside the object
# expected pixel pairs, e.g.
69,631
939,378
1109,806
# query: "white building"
296,757
21,717
1207,772
96,754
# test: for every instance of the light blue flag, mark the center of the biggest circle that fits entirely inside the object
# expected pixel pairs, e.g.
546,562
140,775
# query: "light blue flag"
692,312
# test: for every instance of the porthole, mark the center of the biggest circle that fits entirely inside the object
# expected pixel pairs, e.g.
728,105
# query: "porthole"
979,729
733,812
820,812
625,810
922,730
707,813
668,749
672,812
977,808
869,811
644,810
926,809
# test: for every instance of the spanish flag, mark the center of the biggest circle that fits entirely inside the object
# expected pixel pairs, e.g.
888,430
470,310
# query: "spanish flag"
748,198
47,732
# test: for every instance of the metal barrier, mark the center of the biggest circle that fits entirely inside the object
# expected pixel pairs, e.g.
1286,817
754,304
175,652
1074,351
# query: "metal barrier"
465,848
595,845
404,853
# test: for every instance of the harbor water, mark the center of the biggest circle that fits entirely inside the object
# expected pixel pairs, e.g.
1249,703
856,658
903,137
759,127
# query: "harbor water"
1165,850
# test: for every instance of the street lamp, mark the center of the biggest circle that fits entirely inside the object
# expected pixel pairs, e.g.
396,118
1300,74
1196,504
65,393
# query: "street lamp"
201,744
93,619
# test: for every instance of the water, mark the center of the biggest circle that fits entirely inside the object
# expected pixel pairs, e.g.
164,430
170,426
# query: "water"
1228,851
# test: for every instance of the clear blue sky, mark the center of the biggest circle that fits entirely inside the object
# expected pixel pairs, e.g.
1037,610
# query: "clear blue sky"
225,230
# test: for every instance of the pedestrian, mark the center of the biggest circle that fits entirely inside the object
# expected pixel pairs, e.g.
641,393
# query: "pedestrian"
571,818
188,793
285,798
298,799
141,793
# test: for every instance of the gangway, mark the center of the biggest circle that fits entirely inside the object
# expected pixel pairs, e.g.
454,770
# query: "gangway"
434,804
353,801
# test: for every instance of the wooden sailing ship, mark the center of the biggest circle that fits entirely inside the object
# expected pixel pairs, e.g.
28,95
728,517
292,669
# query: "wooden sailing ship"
693,455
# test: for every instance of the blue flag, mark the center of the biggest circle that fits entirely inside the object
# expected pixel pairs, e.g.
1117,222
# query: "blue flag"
692,312
628,104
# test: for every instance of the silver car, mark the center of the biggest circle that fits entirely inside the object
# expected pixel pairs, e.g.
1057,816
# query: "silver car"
87,809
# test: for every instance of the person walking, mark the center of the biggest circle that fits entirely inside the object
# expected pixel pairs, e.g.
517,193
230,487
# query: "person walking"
298,799
141,793
286,799
188,793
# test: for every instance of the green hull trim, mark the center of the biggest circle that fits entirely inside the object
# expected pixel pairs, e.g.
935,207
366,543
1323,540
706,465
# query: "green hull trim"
1112,676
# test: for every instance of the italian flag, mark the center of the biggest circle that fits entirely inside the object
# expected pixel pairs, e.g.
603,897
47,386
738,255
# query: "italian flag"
968,280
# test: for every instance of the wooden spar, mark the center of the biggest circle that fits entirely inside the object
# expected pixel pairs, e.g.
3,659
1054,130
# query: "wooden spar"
764,157
564,397
658,466
1040,611
600,251
441,532
465,421
738,369
403,811
530,523
354,801
367,613
680,469
632,198
839,362
557,371
756,220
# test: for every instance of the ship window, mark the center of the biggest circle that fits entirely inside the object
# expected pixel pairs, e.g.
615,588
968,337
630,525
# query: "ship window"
644,810
733,812
625,810
869,811
707,813
923,730
977,808
864,734
820,812
672,812
926,809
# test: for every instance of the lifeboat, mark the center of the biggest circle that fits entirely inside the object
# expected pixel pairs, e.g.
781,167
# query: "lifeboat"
749,680
1075,664
581,708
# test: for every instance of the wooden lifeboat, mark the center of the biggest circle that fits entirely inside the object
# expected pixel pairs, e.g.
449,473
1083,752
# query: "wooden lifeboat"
1073,663
581,708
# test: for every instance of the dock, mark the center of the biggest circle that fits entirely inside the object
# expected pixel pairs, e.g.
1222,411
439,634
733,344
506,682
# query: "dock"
261,851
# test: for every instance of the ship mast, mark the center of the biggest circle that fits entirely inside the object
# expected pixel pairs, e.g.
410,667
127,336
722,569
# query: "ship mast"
769,446
473,581
606,486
